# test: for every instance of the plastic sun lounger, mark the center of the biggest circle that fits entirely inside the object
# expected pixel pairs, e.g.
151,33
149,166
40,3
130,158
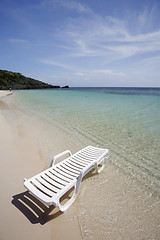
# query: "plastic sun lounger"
50,185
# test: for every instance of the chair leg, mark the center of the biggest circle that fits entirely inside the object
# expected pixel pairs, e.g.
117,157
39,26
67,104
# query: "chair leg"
104,160
64,207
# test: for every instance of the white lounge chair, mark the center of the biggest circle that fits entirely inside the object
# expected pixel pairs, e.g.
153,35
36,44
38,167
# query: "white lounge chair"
50,185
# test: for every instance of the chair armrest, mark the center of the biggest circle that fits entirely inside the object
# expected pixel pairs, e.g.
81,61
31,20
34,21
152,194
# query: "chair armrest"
59,155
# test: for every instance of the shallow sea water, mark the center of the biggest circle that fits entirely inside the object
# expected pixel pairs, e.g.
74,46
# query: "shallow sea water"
121,201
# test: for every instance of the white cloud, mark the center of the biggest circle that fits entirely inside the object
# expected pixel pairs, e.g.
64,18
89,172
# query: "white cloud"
100,73
74,6
69,4
145,18
56,64
142,18
151,61
93,42
79,74
108,72
139,44
95,36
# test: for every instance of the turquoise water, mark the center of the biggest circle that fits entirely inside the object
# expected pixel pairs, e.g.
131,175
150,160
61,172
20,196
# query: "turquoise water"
124,120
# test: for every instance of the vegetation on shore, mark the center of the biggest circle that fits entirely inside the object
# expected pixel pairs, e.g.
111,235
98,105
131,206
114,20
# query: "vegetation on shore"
15,80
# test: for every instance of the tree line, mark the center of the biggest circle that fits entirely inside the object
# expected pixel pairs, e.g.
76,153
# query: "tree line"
13,80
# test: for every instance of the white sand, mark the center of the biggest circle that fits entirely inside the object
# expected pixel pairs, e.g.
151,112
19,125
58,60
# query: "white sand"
4,93
21,218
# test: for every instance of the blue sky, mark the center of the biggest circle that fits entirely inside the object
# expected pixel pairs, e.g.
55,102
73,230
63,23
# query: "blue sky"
101,43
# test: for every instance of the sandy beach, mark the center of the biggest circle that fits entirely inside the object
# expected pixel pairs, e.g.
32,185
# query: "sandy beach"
107,207
4,93
21,215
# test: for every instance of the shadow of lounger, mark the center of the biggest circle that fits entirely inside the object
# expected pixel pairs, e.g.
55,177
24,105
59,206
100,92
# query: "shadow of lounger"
33,209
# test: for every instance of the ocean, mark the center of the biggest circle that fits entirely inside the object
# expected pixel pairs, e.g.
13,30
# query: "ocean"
124,120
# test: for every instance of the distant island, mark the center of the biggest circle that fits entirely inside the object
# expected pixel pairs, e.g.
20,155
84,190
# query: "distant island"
13,80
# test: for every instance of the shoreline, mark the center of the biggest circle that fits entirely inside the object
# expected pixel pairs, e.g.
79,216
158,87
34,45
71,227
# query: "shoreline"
4,93
108,205
21,214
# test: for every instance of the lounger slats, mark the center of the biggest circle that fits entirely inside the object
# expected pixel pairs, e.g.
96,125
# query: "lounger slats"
72,167
95,151
63,168
83,158
75,163
98,155
50,177
84,162
60,175
36,192
47,185
42,188
63,173
87,156
87,150
50,185
79,162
